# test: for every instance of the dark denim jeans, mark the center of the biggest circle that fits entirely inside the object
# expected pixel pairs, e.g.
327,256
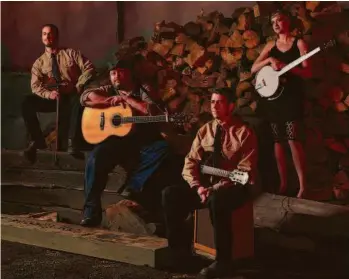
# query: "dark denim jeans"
105,156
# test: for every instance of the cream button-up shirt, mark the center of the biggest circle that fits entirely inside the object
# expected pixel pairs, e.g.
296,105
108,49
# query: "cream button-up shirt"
74,69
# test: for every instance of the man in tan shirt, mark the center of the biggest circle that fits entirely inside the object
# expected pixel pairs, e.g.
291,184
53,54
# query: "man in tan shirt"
233,146
70,69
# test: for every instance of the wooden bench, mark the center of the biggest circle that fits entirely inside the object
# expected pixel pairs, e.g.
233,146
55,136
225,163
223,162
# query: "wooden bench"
242,228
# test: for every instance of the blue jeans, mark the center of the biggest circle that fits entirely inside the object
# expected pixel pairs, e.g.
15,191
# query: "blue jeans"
105,156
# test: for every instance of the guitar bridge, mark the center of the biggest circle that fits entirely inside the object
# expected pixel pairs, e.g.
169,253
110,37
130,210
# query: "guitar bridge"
102,121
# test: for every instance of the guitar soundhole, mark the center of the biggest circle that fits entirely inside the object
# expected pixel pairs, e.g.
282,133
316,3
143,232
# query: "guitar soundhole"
116,120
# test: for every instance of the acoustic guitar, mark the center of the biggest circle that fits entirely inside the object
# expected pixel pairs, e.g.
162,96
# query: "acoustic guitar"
99,124
267,79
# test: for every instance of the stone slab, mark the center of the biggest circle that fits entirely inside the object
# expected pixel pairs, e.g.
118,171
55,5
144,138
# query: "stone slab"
42,195
57,178
122,247
14,158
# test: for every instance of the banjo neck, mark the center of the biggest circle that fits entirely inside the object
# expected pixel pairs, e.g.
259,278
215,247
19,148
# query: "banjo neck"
298,61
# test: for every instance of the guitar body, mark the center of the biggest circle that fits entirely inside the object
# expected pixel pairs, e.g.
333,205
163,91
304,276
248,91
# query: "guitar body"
99,124
267,82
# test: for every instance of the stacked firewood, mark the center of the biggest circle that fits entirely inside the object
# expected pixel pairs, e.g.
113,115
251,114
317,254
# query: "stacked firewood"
186,62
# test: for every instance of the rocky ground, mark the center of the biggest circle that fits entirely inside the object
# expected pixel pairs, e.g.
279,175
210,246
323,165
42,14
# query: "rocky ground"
23,261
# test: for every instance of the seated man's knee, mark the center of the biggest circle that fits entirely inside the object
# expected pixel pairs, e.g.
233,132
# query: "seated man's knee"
170,194
161,147
217,200
27,104
95,160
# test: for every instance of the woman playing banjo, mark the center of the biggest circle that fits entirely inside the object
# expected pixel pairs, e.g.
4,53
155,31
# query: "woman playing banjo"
285,112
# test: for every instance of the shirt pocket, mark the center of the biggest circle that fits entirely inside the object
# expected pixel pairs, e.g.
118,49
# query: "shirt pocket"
207,144
67,63
46,69
231,150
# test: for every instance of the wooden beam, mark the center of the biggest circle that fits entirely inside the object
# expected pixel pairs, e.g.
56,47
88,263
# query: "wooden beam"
116,246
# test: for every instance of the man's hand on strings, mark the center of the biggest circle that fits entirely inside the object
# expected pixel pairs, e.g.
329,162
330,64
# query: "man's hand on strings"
114,100
124,94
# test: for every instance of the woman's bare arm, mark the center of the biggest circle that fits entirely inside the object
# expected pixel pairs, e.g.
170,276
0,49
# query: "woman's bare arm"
263,58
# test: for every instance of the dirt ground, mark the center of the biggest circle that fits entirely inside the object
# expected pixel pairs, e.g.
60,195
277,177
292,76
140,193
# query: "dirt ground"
24,261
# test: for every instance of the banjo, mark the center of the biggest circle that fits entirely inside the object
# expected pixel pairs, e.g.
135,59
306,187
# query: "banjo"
267,79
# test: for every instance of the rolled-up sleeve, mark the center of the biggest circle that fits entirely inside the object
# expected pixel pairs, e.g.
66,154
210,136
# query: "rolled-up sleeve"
37,81
86,67
102,90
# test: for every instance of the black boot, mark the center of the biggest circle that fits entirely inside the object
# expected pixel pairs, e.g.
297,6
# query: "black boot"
91,222
92,217
74,151
183,261
216,270
30,151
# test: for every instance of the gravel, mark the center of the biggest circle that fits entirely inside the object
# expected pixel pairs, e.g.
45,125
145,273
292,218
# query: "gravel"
19,261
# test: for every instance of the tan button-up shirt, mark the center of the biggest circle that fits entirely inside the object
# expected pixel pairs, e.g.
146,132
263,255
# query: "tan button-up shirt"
74,68
239,150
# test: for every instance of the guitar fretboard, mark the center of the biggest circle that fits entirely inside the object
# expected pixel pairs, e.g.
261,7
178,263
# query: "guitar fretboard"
144,119
214,171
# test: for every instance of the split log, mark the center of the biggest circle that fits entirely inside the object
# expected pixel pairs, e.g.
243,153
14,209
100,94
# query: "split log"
251,39
128,216
299,216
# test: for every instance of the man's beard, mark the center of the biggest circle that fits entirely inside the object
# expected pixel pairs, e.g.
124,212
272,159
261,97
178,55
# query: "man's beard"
49,45
116,86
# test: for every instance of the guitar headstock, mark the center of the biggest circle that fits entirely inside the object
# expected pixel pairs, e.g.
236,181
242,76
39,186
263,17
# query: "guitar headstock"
179,118
329,44
239,176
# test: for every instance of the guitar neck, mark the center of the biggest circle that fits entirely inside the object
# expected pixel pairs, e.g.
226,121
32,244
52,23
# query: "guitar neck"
214,171
298,61
145,119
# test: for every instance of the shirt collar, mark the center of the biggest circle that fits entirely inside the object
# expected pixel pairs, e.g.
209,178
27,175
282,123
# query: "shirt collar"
49,54
226,125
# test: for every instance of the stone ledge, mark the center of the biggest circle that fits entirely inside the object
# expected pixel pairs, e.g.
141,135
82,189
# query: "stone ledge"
123,247
15,159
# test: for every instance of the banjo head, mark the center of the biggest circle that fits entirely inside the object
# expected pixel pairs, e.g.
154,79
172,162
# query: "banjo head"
267,82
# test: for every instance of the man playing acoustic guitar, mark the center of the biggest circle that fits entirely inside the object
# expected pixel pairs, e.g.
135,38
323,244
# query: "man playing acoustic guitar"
145,140
233,146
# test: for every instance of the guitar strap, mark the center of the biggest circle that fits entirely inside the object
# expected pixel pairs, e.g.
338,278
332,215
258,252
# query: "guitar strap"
161,106
217,150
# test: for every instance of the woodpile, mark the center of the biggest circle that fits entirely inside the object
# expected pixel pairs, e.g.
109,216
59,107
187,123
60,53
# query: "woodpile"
184,63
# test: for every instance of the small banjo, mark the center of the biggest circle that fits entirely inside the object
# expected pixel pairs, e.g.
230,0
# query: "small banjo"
238,176
267,79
